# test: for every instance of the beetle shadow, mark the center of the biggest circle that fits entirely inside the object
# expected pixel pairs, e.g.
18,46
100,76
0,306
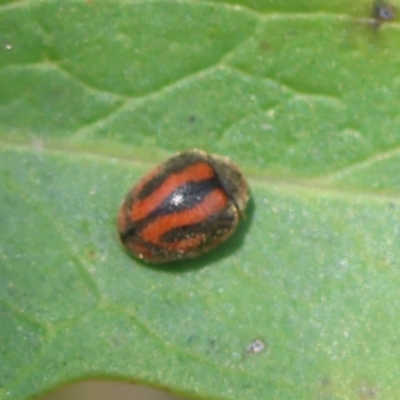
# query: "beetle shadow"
223,250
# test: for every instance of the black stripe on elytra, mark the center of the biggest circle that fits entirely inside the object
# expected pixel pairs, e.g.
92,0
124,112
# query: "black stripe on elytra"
172,166
212,228
183,198
215,226
129,234
186,196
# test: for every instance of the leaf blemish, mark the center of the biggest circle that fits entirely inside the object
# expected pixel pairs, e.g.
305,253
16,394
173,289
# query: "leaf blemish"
256,347
383,12
264,46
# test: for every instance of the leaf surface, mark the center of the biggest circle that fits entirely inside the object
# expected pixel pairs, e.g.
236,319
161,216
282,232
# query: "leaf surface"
303,95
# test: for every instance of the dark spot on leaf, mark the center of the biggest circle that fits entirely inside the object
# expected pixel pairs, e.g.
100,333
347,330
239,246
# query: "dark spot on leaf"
91,254
383,12
247,386
325,381
212,345
191,339
264,46
326,389
255,347
191,118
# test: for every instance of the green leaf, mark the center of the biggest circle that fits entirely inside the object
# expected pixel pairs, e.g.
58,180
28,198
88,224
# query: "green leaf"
303,95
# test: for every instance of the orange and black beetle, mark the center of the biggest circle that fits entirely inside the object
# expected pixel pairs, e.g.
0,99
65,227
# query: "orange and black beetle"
183,208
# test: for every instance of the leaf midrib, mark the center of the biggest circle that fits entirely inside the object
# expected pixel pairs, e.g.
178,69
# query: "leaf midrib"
301,186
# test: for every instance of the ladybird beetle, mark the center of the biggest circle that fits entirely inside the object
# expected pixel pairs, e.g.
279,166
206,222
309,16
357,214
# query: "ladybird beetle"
183,208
